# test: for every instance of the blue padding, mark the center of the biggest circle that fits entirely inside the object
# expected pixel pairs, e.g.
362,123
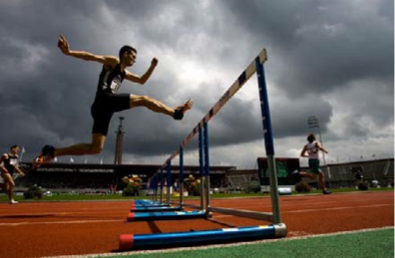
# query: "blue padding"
265,110
142,205
169,215
242,78
211,112
200,237
206,148
154,208
146,202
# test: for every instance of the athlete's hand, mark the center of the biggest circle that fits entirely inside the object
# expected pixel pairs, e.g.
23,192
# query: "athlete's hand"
154,62
3,169
63,45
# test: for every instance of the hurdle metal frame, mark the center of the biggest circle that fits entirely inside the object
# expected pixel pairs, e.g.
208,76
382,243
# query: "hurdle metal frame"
278,229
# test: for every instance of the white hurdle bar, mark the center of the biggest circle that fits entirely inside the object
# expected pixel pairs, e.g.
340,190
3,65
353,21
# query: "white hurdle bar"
235,87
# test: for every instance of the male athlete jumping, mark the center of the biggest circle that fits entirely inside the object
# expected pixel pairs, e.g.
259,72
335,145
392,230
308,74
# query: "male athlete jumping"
108,101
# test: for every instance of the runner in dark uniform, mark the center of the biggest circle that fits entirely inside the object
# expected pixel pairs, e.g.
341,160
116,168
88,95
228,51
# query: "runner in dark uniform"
108,101
9,165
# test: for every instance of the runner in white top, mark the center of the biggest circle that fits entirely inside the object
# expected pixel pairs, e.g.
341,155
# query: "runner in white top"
311,151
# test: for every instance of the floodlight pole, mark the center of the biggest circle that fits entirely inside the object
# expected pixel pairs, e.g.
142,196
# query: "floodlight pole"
118,144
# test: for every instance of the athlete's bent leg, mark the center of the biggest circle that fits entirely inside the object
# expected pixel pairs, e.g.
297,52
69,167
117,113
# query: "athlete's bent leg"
95,147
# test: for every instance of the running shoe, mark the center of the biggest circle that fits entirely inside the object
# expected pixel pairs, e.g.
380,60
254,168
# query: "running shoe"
326,192
295,173
180,110
13,201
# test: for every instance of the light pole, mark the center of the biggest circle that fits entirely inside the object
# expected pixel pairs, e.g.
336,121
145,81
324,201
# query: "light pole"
313,122
118,143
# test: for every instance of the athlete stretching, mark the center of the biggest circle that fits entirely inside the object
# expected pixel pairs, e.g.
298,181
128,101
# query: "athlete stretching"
108,101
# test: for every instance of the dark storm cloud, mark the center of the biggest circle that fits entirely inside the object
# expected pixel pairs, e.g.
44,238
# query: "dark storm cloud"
327,43
322,46
38,105
163,22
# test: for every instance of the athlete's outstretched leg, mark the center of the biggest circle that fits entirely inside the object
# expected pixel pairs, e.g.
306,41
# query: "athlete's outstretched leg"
159,107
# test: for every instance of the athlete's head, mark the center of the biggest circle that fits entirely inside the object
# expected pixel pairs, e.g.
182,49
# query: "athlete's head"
128,55
14,149
311,138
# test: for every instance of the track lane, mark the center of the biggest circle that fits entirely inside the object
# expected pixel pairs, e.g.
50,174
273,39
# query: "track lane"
67,228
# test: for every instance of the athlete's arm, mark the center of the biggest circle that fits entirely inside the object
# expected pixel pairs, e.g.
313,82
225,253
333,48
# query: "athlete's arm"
2,158
319,146
303,153
144,78
3,169
65,48
18,170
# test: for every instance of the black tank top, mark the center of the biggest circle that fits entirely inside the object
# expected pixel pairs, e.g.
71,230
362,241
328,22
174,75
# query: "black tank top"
110,80
10,163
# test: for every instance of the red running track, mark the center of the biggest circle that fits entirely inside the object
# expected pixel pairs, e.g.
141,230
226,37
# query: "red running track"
70,228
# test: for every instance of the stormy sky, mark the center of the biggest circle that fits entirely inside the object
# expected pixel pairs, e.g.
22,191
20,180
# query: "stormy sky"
330,59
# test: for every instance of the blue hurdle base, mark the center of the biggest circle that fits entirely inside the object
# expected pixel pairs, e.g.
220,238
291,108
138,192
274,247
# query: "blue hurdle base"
145,202
154,208
170,215
178,239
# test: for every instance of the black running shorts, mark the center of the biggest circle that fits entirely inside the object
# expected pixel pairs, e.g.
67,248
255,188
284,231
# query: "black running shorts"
104,106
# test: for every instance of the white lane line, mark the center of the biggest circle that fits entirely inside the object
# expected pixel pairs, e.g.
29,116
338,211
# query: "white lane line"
246,207
337,208
321,209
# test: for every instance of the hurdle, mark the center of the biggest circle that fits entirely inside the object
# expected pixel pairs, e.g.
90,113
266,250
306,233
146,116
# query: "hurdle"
150,206
169,215
275,230
159,175
166,211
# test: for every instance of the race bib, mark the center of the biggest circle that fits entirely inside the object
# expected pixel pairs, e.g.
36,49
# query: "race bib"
115,84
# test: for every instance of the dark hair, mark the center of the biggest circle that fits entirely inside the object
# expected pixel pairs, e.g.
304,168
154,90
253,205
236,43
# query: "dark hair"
311,138
13,147
126,49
